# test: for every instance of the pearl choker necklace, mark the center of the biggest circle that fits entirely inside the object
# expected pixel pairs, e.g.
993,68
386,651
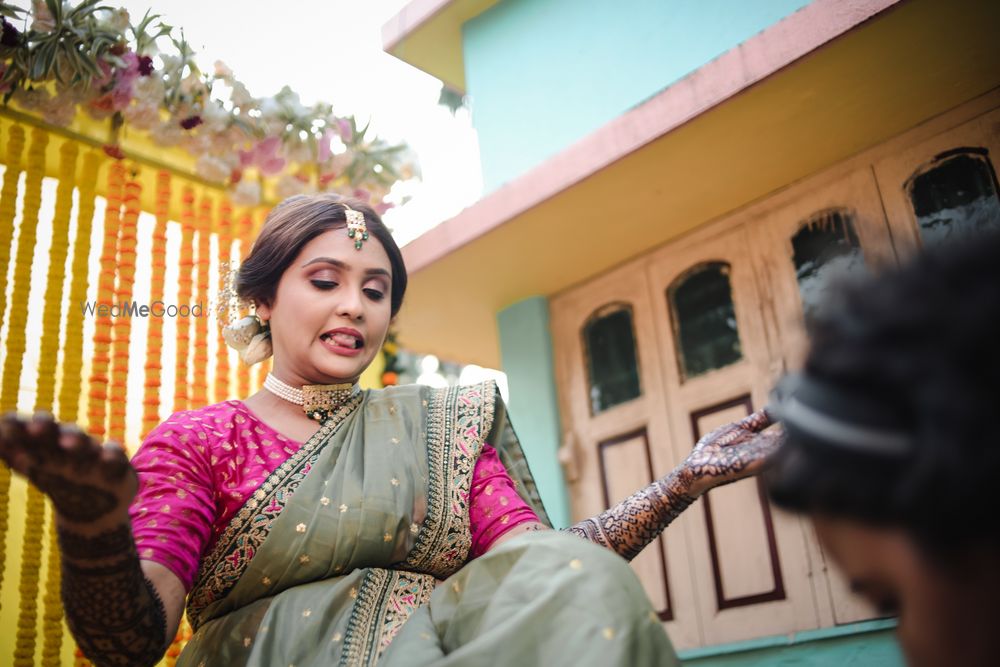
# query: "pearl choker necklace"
319,401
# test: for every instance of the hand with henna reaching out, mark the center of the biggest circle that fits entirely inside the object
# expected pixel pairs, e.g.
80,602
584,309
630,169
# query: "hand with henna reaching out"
730,453
90,485
725,455
120,609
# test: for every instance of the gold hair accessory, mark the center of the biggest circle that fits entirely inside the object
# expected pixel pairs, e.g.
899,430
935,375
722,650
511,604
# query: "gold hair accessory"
318,401
357,229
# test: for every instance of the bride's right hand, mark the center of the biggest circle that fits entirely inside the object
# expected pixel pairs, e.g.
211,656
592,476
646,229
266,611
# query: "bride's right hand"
90,484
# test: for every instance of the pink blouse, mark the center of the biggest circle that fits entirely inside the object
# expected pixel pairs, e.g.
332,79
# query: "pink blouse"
199,467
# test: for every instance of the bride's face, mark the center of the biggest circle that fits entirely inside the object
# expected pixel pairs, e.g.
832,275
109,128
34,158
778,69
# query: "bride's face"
331,310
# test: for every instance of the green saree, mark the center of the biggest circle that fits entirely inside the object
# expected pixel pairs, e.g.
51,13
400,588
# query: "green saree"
337,557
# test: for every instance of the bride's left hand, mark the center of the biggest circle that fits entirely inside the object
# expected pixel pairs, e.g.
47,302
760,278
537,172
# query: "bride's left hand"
731,452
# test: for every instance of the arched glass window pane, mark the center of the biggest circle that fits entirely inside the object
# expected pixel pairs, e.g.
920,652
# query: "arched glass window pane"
704,320
825,245
609,343
955,195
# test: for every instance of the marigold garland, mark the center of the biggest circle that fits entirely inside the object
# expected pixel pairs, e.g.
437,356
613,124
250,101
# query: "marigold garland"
199,395
186,264
8,402
154,338
34,513
72,366
225,239
51,320
8,205
180,640
244,233
122,329
52,306
26,247
52,613
97,404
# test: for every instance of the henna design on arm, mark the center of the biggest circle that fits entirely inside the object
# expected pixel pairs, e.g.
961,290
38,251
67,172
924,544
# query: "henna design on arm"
80,503
114,612
633,523
727,454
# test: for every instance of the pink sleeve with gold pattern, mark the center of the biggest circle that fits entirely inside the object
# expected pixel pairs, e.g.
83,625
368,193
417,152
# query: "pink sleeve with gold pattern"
495,506
173,511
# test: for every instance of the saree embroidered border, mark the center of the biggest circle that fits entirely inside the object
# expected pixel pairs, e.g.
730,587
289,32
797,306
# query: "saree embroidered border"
238,544
457,420
385,601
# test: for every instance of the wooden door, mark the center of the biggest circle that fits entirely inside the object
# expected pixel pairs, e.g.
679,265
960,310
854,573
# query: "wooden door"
801,242
617,435
749,563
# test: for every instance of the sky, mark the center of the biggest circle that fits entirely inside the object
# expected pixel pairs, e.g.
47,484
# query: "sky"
331,51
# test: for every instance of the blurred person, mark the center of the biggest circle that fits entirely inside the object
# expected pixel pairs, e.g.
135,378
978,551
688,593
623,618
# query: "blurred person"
892,447
314,523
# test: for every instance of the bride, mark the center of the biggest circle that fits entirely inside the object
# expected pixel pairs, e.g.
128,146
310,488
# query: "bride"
313,523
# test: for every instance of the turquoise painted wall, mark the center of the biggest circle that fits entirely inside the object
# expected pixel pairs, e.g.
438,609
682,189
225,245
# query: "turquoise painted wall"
866,644
542,74
526,355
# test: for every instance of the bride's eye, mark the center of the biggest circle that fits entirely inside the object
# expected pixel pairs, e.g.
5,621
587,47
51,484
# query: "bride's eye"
324,284
374,294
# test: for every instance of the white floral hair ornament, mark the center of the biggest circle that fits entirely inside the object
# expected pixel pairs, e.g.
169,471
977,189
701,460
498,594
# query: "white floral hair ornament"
250,337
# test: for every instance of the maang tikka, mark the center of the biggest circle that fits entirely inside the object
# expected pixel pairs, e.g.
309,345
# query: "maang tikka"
357,229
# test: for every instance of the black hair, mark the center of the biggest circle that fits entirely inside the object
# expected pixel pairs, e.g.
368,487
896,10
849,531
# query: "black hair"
922,342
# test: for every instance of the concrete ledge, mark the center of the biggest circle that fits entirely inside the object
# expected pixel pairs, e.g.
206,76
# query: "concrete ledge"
869,643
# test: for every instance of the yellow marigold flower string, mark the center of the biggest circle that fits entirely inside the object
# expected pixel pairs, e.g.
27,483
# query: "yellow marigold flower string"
34,513
244,234
225,238
97,404
51,320
180,640
72,366
199,395
8,206
122,329
154,338
72,378
186,264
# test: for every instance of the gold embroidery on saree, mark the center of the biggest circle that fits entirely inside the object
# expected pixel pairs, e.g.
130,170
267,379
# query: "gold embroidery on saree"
458,419
222,568
385,601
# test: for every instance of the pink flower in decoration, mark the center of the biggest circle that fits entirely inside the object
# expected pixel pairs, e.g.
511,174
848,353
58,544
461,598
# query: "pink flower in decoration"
344,127
107,71
383,207
362,194
264,156
325,153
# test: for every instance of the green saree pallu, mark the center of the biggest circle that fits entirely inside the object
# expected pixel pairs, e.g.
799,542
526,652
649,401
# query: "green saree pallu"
355,551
